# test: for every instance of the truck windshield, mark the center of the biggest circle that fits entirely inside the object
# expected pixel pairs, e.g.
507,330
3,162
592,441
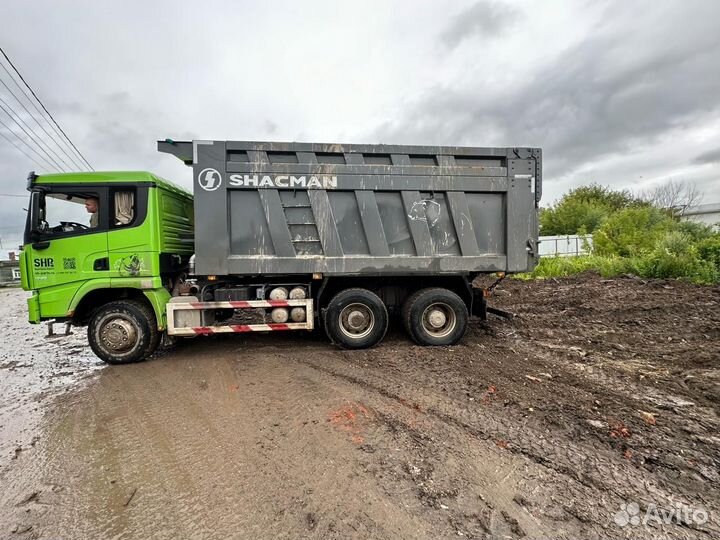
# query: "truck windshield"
67,212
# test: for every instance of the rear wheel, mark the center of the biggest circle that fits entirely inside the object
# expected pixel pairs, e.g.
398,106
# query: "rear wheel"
123,332
356,319
435,317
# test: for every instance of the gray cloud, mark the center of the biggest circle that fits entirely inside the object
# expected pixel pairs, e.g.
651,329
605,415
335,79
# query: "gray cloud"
709,157
623,87
484,19
625,93
128,136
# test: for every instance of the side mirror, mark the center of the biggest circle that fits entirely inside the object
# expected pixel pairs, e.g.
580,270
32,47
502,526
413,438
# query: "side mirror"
38,225
34,210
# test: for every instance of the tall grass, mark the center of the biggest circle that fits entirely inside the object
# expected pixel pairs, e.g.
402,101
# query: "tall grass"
553,267
660,263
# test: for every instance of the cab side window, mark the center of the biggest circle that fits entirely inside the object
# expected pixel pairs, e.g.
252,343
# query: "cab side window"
124,210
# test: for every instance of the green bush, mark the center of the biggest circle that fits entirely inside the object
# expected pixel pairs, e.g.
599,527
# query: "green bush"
632,232
584,209
675,256
709,250
571,217
697,231
630,236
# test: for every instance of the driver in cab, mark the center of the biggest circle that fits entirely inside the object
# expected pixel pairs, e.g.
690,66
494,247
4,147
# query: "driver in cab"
91,205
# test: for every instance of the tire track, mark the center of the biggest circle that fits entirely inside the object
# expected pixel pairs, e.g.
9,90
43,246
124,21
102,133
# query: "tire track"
599,472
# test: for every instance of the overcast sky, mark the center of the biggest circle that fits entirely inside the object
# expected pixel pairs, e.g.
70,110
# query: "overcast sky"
622,93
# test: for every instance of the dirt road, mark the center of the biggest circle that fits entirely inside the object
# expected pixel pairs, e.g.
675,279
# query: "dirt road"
599,394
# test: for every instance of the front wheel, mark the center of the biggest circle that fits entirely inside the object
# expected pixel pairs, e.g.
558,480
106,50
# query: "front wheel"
123,332
435,317
356,319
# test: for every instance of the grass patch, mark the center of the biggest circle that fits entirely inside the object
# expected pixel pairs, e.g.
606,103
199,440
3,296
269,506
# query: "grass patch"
660,263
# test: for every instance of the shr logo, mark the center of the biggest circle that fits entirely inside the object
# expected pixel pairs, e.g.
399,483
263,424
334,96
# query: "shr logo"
209,179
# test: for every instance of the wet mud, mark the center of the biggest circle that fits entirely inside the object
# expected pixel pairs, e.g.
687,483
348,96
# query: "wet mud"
598,394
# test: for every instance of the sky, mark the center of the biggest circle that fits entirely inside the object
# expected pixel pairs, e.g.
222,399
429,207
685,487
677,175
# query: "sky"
625,94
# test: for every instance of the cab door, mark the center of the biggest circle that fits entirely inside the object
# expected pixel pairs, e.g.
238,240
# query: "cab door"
67,246
131,237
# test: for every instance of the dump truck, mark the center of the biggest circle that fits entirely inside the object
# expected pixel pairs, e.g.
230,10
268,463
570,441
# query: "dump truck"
280,236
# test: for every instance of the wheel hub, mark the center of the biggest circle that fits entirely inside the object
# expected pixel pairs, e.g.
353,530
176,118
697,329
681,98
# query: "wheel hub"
437,318
119,335
356,320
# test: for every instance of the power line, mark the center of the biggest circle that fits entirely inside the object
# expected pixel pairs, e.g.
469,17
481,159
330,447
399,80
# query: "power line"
45,108
55,163
20,101
43,117
12,114
11,195
45,166
39,137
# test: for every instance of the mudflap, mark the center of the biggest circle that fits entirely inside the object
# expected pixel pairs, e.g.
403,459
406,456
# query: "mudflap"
479,304
480,308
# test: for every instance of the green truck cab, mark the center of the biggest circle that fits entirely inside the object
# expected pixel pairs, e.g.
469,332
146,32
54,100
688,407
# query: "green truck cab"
105,250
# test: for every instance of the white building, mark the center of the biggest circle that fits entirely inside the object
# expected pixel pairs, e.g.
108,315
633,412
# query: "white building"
709,214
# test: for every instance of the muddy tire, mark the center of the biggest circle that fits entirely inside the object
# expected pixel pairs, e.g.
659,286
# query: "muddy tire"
356,319
435,317
123,332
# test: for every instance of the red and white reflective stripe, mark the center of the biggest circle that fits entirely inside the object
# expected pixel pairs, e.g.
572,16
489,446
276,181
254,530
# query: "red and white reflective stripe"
174,330
207,330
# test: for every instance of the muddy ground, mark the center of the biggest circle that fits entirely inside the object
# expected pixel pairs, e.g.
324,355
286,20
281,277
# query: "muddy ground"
600,393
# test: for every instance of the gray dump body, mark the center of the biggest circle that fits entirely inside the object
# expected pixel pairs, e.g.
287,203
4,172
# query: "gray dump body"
347,209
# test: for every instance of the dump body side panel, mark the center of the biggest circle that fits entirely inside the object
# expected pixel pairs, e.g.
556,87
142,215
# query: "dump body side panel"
296,208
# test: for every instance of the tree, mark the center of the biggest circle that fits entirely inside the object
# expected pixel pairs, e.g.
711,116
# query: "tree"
674,195
604,196
583,209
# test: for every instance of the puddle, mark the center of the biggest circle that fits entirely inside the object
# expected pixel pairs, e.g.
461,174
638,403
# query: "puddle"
33,368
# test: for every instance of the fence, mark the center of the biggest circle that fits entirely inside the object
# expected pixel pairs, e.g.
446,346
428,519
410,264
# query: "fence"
571,245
